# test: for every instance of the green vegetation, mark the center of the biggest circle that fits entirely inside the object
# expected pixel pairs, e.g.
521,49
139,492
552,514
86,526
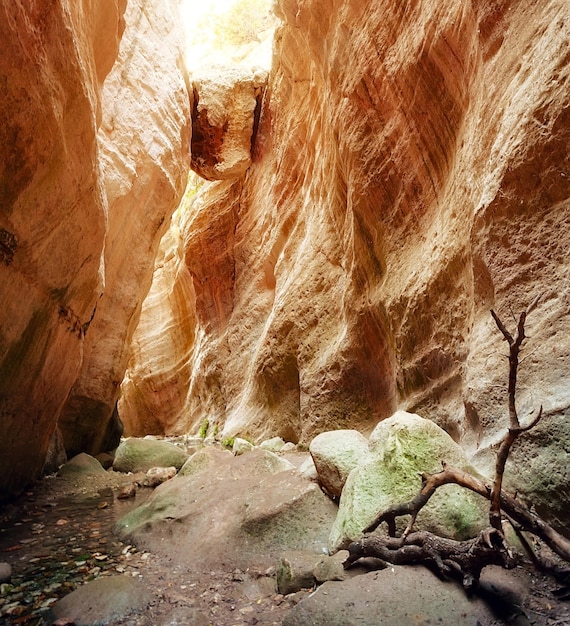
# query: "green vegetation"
243,23
204,426
228,442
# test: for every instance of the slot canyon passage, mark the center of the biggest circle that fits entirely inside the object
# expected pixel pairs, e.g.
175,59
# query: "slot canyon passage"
245,302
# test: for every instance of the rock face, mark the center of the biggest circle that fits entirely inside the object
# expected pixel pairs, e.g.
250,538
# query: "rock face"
144,141
410,171
156,384
54,59
90,174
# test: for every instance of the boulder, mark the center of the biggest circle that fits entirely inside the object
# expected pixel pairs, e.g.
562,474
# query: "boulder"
401,448
224,121
241,446
158,475
5,572
295,572
275,444
239,510
336,453
105,600
140,455
81,464
392,597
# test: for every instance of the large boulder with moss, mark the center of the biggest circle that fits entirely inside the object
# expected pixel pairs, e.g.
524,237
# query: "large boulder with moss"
402,447
140,455
335,454
237,510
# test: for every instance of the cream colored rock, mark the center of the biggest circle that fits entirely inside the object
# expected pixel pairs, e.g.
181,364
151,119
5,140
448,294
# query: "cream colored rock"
52,213
144,141
226,105
335,454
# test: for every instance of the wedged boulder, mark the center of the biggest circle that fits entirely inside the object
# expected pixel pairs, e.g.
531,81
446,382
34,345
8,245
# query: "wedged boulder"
237,510
336,453
223,120
401,447
140,455
393,596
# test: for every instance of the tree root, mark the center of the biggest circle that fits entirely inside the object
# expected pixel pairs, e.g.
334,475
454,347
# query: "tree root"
460,560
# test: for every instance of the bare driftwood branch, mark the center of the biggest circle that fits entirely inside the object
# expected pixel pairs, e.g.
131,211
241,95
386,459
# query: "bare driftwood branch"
462,560
515,509
515,429
465,559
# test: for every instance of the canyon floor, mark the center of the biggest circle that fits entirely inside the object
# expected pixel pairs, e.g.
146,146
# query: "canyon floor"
59,535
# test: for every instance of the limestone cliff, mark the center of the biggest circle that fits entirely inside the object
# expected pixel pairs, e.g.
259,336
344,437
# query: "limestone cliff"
410,171
54,59
92,165
144,144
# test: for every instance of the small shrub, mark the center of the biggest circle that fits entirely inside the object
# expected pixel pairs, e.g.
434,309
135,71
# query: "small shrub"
228,442
204,429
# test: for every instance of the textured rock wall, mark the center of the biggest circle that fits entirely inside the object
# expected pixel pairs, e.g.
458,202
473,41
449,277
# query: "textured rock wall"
411,171
54,58
144,141
156,384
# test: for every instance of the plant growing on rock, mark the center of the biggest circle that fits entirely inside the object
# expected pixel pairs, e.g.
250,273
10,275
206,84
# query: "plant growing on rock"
464,560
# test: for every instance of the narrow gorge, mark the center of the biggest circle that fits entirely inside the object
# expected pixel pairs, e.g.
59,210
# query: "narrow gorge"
283,251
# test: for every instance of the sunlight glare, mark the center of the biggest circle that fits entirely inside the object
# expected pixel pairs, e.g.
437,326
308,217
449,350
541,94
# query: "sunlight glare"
222,31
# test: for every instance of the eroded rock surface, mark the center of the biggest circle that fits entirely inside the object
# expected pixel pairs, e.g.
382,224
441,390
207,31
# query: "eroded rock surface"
55,57
144,143
410,171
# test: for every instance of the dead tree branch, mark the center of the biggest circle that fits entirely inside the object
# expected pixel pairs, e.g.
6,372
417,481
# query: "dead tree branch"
515,429
462,560
515,509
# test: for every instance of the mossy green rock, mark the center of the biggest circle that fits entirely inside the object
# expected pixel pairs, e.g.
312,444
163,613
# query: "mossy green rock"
79,465
139,455
235,509
401,448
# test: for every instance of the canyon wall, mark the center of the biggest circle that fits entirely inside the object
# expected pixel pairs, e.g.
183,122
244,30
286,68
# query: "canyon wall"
144,143
53,62
94,160
410,172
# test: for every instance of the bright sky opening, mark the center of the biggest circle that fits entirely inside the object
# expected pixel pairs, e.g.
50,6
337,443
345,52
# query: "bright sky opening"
228,31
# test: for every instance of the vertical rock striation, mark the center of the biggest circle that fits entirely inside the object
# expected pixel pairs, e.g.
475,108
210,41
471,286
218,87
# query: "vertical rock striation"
155,387
54,58
144,142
